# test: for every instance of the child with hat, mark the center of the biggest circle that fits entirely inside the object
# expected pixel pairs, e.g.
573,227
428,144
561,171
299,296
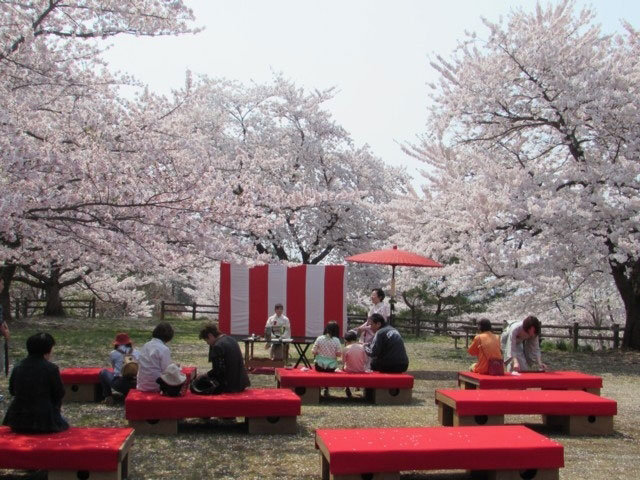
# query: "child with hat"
123,352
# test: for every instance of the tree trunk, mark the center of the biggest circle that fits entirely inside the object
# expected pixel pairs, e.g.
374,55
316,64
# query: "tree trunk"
627,278
52,288
6,273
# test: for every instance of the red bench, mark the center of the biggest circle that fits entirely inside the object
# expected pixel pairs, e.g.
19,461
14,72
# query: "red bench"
83,384
577,412
87,453
381,388
544,380
505,453
266,410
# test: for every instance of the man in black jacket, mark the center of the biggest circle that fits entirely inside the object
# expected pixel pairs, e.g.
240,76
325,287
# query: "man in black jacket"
227,363
386,350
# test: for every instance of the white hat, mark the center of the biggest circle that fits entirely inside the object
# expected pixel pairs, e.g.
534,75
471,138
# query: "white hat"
173,375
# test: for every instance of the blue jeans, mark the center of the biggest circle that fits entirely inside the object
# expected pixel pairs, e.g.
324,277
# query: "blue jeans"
110,382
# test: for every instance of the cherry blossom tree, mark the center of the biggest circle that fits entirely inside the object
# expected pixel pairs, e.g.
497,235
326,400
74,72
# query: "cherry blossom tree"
287,161
533,151
70,186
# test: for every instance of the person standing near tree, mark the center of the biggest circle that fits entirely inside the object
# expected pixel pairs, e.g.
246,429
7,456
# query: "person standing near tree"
377,298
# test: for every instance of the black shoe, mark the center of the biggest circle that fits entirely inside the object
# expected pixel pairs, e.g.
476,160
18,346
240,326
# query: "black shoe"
348,392
325,393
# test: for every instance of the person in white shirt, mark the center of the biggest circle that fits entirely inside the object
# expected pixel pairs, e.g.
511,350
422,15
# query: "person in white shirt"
277,325
364,331
154,358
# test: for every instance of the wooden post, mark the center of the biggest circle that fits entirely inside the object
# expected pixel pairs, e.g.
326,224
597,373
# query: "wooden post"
162,311
616,336
25,306
576,330
193,315
93,307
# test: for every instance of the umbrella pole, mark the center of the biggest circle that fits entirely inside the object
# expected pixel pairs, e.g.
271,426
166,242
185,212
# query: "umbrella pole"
392,301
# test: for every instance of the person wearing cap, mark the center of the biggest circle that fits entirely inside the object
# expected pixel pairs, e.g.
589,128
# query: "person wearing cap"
154,358
227,363
113,379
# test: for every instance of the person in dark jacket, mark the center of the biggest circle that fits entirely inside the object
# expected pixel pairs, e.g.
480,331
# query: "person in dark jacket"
37,389
227,363
386,350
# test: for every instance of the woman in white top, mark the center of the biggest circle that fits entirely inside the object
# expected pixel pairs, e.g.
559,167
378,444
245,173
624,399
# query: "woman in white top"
154,358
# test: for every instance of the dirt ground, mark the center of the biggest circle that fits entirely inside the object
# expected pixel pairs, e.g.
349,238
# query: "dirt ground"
212,449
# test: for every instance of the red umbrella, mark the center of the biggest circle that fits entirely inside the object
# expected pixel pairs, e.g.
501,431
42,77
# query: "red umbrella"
395,258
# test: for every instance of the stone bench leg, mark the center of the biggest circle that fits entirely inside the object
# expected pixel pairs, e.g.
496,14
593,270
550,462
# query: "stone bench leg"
532,474
445,415
474,420
155,427
271,425
581,424
326,474
389,396
467,385
81,392
308,395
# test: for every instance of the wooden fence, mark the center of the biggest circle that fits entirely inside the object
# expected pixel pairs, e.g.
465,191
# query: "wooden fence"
466,329
457,329
181,308
26,307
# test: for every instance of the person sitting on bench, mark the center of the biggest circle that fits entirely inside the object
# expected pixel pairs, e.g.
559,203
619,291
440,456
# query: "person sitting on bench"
117,379
227,363
154,358
386,350
277,326
486,346
37,388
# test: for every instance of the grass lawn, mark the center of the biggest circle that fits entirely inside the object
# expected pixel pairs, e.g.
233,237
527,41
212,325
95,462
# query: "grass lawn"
211,450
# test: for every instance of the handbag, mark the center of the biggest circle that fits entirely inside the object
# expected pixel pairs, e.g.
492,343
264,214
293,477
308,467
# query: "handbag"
496,367
204,385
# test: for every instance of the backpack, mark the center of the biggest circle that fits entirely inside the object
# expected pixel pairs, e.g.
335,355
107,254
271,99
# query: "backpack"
129,367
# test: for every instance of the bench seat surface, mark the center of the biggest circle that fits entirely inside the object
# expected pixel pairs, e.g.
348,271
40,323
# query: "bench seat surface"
93,449
78,375
253,402
522,402
370,450
559,380
296,377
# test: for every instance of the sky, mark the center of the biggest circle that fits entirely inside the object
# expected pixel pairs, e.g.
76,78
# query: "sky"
374,52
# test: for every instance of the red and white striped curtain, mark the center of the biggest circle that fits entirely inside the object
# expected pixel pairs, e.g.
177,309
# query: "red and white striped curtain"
312,295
